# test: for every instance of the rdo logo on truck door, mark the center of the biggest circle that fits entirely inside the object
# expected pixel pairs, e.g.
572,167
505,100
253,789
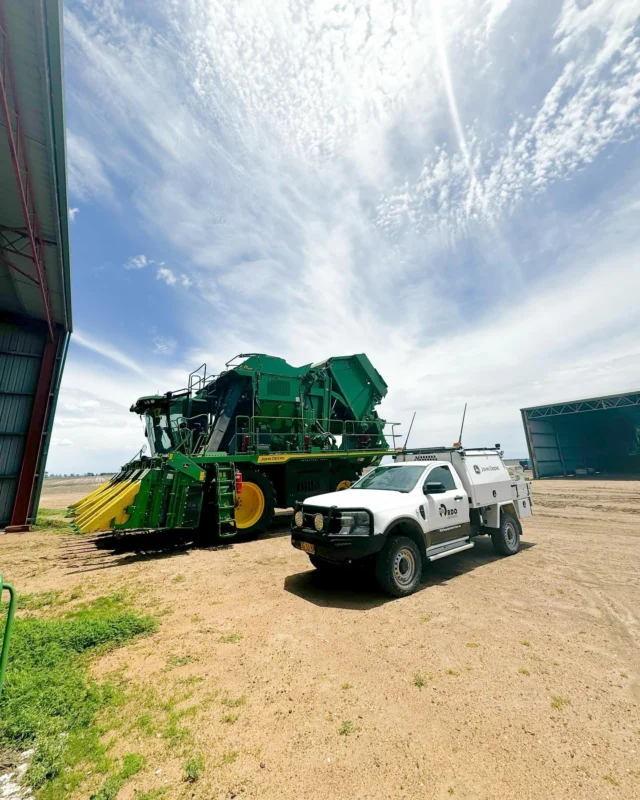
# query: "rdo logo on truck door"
447,512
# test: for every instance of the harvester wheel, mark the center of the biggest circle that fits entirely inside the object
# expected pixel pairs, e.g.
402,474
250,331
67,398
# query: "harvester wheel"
256,503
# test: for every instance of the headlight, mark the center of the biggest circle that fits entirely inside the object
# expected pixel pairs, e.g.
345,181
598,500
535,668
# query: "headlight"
354,523
298,519
318,522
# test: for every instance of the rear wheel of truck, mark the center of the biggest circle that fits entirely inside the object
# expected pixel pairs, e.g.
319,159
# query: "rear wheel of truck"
399,566
506,540
256,503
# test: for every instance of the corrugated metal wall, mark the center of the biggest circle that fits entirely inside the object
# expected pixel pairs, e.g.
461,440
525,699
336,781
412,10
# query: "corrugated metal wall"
21,349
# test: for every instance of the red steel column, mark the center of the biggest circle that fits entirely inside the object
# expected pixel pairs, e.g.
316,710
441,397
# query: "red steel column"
33,444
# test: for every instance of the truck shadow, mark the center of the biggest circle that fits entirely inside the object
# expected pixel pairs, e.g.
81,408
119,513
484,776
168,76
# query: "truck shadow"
356,588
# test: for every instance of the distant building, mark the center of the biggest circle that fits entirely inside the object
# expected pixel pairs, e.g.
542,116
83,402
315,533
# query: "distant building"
598,436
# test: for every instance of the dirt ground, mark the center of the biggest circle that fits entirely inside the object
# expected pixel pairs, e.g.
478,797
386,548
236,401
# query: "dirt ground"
501,678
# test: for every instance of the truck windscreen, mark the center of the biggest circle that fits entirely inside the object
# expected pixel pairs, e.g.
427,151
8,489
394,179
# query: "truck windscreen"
391,478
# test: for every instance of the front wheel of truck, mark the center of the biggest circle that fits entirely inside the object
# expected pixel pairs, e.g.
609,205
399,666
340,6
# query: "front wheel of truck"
506,540
399,566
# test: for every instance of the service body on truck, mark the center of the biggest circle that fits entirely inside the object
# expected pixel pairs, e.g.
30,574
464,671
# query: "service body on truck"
428,504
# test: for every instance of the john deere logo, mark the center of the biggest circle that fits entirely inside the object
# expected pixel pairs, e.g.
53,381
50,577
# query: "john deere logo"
476,469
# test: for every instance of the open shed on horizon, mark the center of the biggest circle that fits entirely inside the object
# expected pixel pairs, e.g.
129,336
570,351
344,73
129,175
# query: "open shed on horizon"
595,436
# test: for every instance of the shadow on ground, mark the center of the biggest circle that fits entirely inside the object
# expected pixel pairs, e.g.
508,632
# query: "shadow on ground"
106,550
356,588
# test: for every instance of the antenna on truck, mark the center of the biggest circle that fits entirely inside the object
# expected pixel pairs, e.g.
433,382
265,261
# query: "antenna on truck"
464,414
409,432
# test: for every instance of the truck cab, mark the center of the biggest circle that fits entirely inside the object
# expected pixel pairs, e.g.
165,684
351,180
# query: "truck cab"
427,505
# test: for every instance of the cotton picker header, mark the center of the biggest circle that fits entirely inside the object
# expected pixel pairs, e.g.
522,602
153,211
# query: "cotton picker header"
229,449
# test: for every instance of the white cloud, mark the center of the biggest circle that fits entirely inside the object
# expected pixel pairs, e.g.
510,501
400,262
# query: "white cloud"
61,442
171,278
137,262
85,170
107,351
164,345
73,213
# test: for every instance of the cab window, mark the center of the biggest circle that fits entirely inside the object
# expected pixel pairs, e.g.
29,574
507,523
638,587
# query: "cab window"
441,475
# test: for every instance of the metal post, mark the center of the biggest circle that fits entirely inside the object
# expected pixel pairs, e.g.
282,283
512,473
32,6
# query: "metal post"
33,445
4,652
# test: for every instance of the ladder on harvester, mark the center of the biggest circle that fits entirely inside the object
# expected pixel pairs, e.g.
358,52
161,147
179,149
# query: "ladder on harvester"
225,497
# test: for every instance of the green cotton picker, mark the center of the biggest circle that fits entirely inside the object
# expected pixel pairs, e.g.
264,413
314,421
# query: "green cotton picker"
230,448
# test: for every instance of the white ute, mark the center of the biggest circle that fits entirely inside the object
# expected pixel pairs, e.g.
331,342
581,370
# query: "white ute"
428,504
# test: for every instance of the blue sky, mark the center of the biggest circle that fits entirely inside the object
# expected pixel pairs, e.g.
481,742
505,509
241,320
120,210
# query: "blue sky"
451,187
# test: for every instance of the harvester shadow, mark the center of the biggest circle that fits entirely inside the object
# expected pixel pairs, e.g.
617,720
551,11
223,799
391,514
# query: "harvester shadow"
356,589
106,550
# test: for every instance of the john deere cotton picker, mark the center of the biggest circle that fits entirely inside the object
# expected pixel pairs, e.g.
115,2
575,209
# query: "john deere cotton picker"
229,449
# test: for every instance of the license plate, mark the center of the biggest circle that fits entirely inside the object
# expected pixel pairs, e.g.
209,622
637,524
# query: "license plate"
308,547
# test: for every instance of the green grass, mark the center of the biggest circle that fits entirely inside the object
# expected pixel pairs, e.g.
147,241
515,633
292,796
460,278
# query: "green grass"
53,519
50,702
525,643
347,728
234,702
558,702
230,638
346,685
229,718
524,671
132,763
420,679
453,672
193,769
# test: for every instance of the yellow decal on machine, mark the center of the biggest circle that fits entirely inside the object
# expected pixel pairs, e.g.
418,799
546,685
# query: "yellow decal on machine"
272,459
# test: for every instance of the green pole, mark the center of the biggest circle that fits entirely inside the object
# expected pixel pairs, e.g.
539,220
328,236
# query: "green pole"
4,653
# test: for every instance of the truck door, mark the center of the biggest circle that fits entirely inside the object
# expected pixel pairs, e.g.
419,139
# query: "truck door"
448,510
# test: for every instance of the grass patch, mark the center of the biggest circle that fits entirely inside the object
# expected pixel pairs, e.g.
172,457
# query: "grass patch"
229,718
524,671
49,701
525,643
611,779
132,763
193,769
347,728
426,618
52,519
420,679
453,672
234,702
178,661
558,702
230,638
473,644
229,757
153,794
178,579
346,685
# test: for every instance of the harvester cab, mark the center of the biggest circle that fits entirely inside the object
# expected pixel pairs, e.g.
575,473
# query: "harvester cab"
226,450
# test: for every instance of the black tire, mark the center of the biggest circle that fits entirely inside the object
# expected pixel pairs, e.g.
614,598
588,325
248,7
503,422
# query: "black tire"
265,485
399,567
506,540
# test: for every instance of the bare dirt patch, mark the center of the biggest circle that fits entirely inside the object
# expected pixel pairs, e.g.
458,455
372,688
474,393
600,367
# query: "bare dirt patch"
502,677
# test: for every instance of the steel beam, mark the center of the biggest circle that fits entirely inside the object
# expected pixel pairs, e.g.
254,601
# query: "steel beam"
34,443
20,162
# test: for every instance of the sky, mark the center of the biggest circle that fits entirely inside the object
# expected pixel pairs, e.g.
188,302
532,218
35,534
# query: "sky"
451,187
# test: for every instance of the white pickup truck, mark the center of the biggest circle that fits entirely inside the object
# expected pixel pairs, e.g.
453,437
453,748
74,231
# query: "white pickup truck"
428,504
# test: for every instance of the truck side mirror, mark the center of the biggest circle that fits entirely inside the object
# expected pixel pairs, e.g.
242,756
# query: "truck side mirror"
434,487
